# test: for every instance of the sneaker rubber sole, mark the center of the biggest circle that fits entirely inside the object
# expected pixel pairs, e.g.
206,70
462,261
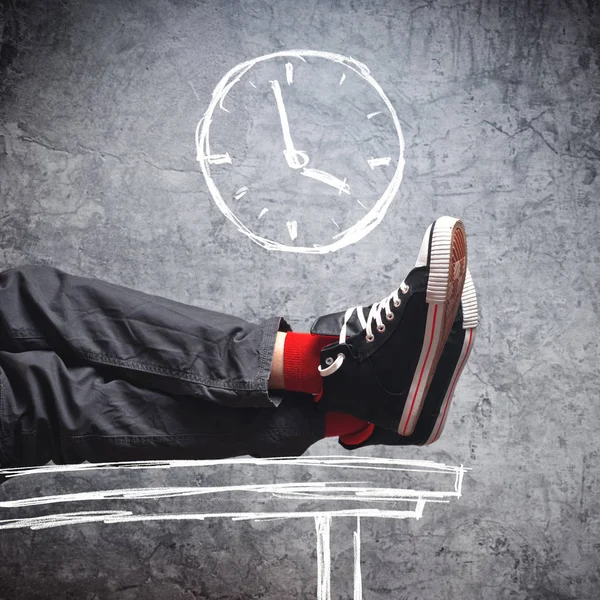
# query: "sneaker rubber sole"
470,322
447,260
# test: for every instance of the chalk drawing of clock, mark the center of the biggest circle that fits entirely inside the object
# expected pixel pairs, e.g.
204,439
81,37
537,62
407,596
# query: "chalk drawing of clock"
301,150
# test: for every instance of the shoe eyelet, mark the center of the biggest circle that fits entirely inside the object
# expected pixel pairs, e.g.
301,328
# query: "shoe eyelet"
329,361
397,304
389,316
381,328
404,288
370,338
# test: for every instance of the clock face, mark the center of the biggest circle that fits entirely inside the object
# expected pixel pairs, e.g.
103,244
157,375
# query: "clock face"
301,150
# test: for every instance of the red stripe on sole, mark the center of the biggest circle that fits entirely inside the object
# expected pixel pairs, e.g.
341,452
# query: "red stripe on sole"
422,369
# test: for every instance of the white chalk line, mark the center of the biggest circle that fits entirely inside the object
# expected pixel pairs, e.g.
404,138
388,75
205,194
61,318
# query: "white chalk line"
296,159
263,212
314,490
357,571
292,229
323,527
335,491
194,90
373,114
229,86
343,78
289,73
348,236
241,192
322,461
114,517
219,159
327,179
379,162
329,491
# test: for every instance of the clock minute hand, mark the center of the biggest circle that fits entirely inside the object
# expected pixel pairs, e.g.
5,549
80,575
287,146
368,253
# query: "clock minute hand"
296,159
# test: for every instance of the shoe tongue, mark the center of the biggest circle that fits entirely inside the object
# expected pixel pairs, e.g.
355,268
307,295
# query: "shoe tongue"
424,250
332,324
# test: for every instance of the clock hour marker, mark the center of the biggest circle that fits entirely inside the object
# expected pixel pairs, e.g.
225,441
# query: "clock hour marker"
194,90
343,78
289,73
241,192
262,212
335,223
379,162
252,84
373,114
218,159
293,229
361,203
344,188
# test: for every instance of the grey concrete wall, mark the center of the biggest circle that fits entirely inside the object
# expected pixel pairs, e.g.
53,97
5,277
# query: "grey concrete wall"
500,109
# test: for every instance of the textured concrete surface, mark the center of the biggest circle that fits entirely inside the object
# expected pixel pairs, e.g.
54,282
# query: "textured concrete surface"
500,108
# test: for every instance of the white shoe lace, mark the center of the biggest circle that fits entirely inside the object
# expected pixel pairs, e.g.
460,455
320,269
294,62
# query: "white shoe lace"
366,324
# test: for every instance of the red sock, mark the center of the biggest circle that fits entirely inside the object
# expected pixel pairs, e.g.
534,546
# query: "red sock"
350,430
301,357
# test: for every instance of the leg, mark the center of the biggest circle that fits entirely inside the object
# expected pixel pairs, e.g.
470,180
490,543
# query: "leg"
66,411
276,378
98,372
147,357
146,340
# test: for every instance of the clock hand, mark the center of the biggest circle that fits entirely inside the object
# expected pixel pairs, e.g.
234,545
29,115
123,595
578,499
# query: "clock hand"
327,179
296,159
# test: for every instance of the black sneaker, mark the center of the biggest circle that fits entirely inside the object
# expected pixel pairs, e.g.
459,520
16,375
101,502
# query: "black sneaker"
384,376
437,403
